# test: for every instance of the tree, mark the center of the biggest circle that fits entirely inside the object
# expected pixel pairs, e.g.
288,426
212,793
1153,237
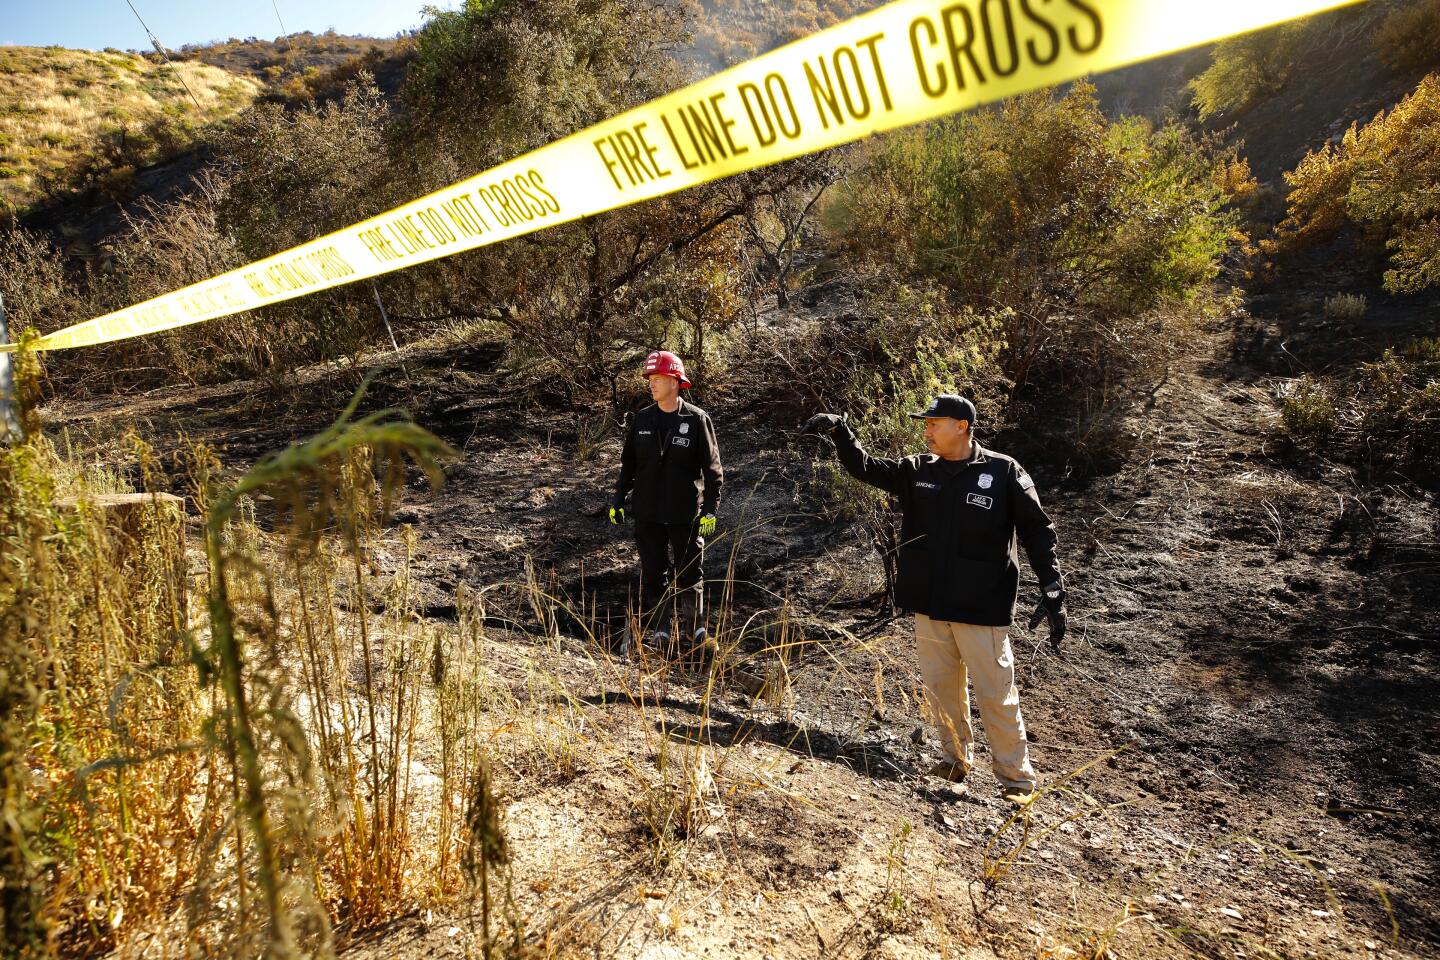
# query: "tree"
774,224
583,301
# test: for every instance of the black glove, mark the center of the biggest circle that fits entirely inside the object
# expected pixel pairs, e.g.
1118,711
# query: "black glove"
822,423
1051,607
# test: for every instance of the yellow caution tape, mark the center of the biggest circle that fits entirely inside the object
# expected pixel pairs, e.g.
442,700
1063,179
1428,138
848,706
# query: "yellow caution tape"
903,63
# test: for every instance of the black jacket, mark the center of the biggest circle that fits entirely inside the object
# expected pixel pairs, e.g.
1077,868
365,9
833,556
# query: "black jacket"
676,483
957,558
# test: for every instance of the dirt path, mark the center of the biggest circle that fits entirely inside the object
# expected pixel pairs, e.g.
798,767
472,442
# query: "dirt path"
1249,693
1264,634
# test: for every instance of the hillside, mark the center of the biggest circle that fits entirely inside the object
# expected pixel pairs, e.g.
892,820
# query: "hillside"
1246,636
58,107
729,31
296,54
281,680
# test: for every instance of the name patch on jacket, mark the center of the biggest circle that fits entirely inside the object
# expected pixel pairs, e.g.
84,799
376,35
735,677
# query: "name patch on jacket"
681,441
979,501
922,485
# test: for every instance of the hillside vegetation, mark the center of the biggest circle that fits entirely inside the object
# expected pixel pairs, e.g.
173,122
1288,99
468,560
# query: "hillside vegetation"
303,707
277,61
734,30
57,106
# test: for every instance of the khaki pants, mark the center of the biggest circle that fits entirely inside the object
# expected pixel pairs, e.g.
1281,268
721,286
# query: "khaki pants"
952,653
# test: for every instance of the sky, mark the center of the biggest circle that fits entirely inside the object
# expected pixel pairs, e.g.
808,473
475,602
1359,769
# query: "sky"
95,24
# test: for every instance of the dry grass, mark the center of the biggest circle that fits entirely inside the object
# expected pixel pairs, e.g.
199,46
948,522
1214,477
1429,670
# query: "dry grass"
308,758
55,104
1345,307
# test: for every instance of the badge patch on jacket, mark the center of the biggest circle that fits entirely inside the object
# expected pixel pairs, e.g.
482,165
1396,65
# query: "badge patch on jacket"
684,428
681,441
979,501
984,481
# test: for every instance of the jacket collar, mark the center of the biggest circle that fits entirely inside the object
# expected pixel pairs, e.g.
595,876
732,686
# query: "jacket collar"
977,456
686,409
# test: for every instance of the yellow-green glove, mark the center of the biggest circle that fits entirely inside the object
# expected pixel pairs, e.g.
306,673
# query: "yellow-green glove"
617,515
707,525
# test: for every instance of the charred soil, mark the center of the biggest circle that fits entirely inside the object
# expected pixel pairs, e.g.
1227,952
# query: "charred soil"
1238,737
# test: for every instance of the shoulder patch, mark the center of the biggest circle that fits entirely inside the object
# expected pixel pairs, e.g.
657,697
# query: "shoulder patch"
1025,482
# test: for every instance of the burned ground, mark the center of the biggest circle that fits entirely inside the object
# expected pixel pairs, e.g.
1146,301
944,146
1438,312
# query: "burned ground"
1248,690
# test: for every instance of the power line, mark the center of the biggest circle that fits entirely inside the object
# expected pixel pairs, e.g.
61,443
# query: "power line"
276,5
160,49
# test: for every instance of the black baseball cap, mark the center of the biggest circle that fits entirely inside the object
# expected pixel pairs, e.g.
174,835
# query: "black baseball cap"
949,405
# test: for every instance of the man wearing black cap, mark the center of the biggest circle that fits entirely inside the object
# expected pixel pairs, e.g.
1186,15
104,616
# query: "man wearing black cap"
963,508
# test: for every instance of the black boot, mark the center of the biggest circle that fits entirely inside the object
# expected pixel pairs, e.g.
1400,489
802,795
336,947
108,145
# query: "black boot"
691,623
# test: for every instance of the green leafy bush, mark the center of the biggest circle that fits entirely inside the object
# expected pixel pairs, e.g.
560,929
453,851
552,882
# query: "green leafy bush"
1386,412
1081,229
1309,408
1246,68
905,343
1409,38
1346,307
1381,177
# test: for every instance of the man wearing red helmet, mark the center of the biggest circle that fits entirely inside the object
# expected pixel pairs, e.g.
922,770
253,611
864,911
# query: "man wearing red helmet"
670,470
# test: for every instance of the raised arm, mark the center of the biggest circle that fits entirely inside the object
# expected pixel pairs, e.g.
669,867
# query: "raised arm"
888,475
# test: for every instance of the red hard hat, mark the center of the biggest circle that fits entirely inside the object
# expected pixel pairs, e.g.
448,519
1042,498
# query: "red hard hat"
665,363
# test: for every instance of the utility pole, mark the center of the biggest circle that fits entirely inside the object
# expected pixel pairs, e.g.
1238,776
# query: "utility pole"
9,407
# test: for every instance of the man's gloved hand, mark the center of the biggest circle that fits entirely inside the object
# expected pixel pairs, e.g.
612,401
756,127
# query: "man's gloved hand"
1051,607
822,423
707,525
617,515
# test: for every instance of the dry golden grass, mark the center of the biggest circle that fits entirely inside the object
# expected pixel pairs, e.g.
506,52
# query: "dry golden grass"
56,104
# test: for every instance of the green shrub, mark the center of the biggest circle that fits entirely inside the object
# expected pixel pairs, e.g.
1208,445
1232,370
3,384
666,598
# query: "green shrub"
1386,412
1081,228
904,344
1346,307
1381,177
1246,68
1309,408
1409,38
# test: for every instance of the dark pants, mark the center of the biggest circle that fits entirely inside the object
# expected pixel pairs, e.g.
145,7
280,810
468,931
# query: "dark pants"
671,553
